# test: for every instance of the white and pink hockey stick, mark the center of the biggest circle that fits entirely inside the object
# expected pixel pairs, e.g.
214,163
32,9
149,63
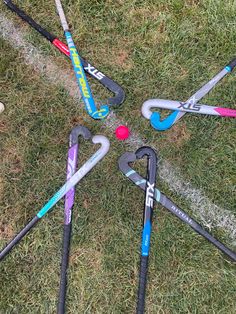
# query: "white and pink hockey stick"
186,107
191,105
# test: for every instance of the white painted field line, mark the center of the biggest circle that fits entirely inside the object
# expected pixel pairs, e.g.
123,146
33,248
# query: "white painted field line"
210,215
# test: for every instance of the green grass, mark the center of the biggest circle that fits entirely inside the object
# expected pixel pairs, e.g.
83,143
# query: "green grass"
163,49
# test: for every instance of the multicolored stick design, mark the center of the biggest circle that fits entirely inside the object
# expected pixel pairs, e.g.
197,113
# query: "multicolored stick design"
88,67
191,105
103,150
186,107
79,71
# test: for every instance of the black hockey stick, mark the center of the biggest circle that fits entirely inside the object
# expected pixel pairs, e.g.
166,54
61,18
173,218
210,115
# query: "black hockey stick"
147,222
127,158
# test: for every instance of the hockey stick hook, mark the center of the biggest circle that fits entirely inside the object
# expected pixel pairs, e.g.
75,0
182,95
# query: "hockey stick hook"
155,118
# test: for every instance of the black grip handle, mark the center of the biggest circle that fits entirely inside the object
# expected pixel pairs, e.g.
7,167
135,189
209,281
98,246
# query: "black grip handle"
29,20
64,267
232,64
142,284
19,236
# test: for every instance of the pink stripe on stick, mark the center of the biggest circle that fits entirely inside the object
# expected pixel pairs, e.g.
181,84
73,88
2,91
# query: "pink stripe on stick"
224,112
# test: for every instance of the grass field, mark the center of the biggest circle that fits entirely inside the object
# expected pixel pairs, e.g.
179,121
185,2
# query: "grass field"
162,49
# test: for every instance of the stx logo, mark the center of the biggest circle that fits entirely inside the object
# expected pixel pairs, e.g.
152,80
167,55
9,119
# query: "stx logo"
94,72
149,194
194,107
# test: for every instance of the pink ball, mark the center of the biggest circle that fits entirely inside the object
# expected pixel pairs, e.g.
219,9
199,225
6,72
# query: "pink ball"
122,132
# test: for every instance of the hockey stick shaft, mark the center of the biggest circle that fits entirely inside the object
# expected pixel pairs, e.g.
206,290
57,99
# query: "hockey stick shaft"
18,237
174,209
94,72
62,191
64,266
147,223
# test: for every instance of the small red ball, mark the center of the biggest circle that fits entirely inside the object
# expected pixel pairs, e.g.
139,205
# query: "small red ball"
122,132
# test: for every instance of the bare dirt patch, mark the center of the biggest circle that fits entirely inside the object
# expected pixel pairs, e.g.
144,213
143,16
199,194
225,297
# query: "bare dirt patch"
6,230
178,135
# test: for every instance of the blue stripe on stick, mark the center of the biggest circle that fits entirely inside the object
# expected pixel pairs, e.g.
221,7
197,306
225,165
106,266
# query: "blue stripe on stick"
157,195
129,173
146,238
140,182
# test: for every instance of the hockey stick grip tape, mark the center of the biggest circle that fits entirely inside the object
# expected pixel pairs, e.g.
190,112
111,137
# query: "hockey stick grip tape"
30,21
142,284
19,236
64,267
232,64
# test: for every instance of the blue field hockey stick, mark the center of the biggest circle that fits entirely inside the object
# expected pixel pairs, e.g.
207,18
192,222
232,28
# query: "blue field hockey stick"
119,94
87,96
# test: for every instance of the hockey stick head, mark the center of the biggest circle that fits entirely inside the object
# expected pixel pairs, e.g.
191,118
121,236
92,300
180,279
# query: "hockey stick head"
119,97
128,157
100,113
76,132
92,161
155,118
131,174
152,162
105,145
123,163
146,151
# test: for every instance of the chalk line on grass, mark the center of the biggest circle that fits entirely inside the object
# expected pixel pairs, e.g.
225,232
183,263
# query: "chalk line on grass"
210,214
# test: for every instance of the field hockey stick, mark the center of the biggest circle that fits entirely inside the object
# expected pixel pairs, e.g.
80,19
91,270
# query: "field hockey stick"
187,107
102,151
133,176
189,104
79,71
72,161
95,73
147,222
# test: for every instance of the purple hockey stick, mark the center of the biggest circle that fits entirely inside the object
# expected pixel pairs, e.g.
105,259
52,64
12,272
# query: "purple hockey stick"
69,202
